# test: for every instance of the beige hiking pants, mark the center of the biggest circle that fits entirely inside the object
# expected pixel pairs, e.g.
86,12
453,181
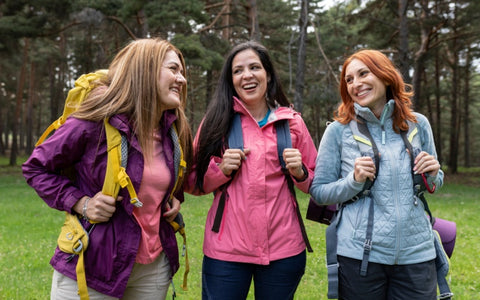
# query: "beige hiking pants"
146,282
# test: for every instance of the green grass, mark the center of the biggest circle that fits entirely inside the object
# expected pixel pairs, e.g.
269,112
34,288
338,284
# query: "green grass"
29,230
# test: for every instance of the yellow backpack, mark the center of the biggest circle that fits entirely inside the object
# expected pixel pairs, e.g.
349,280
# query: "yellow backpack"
73,238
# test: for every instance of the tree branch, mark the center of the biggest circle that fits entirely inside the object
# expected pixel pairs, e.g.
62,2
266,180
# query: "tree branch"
323,53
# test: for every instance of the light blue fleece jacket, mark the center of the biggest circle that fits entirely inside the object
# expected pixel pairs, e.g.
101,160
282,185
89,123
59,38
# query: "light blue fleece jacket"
402,233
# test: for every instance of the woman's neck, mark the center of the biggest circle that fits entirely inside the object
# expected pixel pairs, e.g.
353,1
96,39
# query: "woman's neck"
258,111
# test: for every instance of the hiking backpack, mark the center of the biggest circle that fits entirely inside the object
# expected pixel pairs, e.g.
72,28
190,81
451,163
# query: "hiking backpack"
444,231
116,178
284,140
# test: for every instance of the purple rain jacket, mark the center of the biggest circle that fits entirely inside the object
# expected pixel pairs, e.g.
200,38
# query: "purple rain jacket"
113,245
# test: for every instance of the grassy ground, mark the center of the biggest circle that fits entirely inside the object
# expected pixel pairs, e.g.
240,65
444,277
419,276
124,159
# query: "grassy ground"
29,230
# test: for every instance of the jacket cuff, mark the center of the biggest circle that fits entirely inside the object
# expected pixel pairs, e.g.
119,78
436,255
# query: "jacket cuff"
305,171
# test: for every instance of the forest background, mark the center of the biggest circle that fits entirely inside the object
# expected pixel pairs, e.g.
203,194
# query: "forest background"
46,44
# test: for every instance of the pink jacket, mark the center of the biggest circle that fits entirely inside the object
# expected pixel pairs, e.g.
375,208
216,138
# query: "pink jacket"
259,223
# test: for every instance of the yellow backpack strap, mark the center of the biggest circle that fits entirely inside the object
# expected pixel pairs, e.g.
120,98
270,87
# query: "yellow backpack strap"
74,239
83,85
81,278
115,175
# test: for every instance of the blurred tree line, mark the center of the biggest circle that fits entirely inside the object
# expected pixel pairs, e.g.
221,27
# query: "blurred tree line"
46,44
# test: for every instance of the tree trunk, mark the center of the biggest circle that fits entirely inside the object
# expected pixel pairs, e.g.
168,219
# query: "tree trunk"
3,115
226,20
18,106
420,55
29,110
466,110
403,61
142,30
3,118
252,13
302,41
453,157
437,126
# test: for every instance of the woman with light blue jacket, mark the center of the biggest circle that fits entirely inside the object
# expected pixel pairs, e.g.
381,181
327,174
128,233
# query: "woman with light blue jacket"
400,264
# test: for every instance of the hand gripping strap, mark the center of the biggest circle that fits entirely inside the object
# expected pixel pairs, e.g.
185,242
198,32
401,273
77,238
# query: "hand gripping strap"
235,141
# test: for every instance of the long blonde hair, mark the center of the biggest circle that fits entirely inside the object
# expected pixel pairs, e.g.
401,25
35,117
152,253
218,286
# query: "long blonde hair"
132,88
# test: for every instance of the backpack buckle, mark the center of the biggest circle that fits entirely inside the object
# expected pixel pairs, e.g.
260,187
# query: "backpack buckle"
78,247
445,296
367,245
136,202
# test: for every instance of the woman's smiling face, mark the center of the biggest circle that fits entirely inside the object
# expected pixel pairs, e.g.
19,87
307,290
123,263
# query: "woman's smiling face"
171,81
249,77
364,87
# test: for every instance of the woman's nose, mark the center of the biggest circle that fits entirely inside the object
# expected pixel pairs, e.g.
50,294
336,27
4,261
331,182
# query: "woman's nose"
180,78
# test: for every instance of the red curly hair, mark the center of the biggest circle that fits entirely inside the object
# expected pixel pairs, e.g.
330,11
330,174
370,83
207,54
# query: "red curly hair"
382,67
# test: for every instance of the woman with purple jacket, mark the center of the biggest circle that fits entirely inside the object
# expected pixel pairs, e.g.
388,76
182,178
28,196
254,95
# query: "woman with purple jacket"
132,251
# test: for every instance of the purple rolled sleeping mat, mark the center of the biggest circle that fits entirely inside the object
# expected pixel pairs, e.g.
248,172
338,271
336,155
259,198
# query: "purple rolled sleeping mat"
448,233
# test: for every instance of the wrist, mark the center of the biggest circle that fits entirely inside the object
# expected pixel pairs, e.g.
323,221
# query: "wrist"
84,209
304,176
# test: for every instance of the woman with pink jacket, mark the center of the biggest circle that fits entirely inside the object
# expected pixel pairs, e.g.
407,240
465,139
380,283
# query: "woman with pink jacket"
257,234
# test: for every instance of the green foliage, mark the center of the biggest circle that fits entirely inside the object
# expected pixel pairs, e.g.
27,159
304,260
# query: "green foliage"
174,16
29,230
196,53
71,37
31,18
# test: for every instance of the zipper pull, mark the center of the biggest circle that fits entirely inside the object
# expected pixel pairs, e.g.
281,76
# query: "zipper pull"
383,136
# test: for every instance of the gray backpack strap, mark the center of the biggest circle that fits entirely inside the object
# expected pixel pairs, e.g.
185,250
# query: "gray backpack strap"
362,135
367,148
412,141
176,149
124,151
331,256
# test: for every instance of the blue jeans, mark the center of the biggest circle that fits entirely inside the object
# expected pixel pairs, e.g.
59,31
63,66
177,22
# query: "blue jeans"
231,280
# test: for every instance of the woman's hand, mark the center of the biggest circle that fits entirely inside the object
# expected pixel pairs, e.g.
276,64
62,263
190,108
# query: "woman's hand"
99,208
426,163
294,164
172,210
232,160
364,168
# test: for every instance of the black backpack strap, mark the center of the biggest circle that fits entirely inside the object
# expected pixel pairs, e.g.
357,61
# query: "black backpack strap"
284,140
235,141
220,210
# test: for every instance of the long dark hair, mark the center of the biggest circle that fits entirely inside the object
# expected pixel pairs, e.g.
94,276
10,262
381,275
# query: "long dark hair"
216,123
